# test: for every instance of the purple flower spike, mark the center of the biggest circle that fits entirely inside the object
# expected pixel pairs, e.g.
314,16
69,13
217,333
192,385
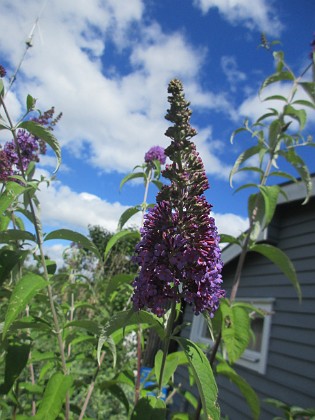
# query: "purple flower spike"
179,254
155,153
2,71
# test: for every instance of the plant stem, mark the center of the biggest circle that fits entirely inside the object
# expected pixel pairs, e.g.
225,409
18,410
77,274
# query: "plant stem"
91,387
138,379
42,256
168,333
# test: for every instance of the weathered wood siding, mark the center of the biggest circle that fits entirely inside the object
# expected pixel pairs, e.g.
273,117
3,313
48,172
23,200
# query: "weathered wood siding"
290,374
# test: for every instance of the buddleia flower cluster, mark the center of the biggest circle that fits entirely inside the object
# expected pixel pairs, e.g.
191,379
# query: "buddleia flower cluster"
30,147
179,254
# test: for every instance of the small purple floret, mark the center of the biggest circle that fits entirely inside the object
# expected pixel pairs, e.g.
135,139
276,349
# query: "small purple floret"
155,153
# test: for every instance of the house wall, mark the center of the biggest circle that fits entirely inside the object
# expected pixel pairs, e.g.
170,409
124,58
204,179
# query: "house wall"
290,373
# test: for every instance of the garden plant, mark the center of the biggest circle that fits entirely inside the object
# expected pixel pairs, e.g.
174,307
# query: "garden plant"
73,340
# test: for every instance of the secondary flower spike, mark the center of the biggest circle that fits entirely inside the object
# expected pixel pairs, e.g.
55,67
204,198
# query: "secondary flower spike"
155,153
179,254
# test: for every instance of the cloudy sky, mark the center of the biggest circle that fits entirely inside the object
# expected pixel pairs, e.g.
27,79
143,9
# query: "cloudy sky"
106,65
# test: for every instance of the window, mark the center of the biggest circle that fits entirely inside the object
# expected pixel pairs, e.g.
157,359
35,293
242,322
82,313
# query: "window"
255,356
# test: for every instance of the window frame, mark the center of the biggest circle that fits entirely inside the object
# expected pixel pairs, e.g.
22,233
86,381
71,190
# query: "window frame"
251,359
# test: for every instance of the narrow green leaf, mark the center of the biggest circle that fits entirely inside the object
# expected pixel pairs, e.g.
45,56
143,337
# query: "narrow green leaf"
54,397
171,364
224,238
281,260
87,324
109,342
30,103
24,291
276,77
283,175
127,214
8,260
250,395
125,318
15,361
204,378
237,131
235,329
309,88
298,114
276,98
256,206
16,235
149,408
157,183
304,103
243,157
117,237
10,194
70,235
298,163
117,281
131,176
270,195
119,393
44,134
243,187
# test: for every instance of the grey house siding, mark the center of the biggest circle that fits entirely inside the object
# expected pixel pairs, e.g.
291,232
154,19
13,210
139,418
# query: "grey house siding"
290,373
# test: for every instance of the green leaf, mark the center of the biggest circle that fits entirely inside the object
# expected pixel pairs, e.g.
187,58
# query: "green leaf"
157,183
281,260
8,260
54,397
16,235
275,130
256,206
108,341
149,408
12,191
132,176
298,114
298,163
224,238
118,236
204,378
304,103
250,395
70,235
270,195
44,134
87,324
243,157
30,103
24,291
235,329
15,361
276,98
309,88
127,214
117,281
119,393
276,77
283,175
171,364
125,318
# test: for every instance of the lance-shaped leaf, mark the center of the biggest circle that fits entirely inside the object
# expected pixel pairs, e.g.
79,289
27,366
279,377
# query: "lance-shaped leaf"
127,214
12,191
309,88
87,324
70,235
157,183
171,363
24,291
298,114
235,329
109,342
54,397
117,237
15,361
16,235
131,176
281,260
117,281
270,195
44,134
149,408
224,238
250,395
276,77
203,375
298,163
243,157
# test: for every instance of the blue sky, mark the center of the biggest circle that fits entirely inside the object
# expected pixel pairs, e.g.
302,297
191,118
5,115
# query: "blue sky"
106,65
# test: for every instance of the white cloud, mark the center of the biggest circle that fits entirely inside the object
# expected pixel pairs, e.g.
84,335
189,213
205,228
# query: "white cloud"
109,119
61,206
258,15
230,223
230,69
